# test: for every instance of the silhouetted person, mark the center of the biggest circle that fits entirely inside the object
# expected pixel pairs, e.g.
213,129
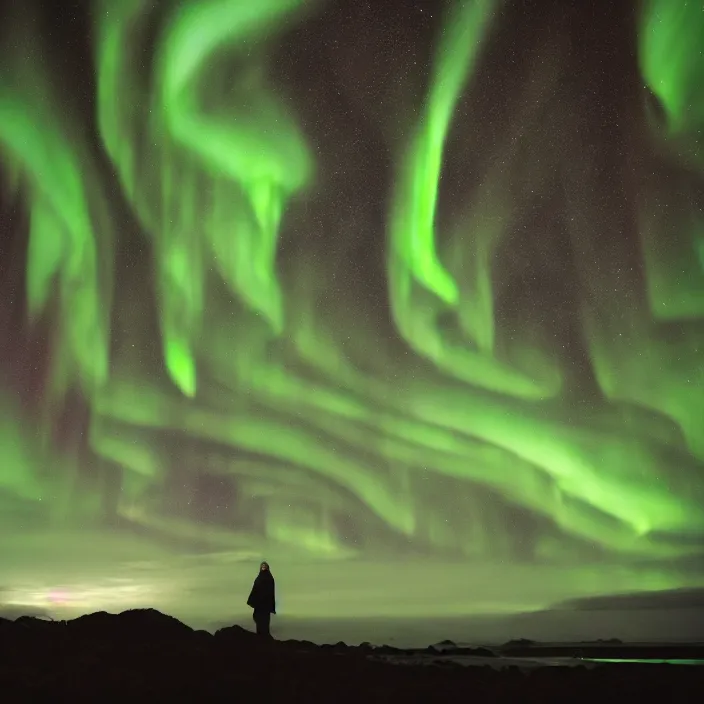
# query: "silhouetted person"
263,599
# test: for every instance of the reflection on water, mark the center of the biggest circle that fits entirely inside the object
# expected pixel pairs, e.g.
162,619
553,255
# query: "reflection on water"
650,662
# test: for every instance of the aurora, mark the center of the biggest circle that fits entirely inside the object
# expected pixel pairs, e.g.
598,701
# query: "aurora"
292,282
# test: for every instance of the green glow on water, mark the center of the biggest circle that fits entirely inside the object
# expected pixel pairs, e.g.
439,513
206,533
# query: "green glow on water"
648,661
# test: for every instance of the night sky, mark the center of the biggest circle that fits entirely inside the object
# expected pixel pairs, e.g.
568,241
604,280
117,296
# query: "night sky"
406,298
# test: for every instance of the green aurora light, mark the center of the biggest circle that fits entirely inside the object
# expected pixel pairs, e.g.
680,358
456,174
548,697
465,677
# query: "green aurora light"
473,433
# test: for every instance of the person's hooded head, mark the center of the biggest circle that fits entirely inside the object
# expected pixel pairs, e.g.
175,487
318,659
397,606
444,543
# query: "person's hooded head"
264,569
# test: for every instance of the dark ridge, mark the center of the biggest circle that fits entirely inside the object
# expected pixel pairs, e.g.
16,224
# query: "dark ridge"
670,599
145,655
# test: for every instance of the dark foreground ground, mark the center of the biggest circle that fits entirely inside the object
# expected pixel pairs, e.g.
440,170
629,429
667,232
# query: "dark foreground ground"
147,656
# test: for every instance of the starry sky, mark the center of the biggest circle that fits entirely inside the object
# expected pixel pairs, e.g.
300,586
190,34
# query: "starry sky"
350,284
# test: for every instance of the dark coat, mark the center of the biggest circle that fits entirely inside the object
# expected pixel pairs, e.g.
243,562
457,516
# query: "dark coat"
263,594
